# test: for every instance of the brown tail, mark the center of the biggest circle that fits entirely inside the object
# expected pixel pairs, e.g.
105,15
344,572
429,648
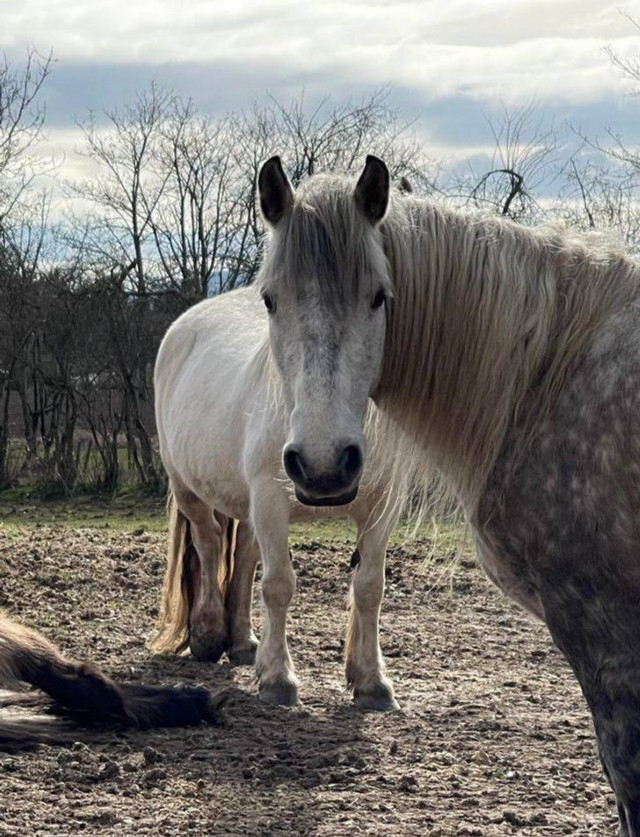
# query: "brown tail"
181,580
85,695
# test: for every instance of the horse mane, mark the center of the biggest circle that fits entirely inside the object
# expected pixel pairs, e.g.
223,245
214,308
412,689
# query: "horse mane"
486,321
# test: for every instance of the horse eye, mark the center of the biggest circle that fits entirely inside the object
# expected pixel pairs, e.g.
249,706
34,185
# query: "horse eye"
269,303
379,299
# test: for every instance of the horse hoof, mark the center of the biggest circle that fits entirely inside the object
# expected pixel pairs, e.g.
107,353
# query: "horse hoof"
243,656
282,693
207,648
370,703
380,699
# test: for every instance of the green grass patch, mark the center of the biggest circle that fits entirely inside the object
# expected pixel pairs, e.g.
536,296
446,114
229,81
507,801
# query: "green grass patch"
444,538
126,512
131,511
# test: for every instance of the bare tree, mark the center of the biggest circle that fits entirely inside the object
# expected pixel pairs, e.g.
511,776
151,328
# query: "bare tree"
21,121
24,241
125,189
126,193
602,177
600,197
523,157
198,221
629,67
329,137
22,226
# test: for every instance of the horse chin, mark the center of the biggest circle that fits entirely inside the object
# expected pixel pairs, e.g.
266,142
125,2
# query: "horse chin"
334,500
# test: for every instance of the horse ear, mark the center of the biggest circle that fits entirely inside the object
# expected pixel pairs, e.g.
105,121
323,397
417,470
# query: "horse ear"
372,190
276,194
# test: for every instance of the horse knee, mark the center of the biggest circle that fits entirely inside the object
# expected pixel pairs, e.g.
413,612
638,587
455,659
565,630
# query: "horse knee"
278,590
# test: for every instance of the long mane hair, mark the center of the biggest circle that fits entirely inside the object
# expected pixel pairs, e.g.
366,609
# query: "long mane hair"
487,320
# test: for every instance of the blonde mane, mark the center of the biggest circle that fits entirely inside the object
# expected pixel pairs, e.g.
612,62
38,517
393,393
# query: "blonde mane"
486,322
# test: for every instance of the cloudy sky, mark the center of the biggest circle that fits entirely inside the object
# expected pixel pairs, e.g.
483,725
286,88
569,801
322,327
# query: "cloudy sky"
447,62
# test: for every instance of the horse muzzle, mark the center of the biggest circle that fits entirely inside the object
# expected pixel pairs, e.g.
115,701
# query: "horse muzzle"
336,486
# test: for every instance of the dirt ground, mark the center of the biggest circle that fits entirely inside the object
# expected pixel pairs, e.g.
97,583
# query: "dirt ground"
493,737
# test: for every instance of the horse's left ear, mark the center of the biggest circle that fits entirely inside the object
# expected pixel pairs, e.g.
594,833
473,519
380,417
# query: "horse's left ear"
372,190
276,194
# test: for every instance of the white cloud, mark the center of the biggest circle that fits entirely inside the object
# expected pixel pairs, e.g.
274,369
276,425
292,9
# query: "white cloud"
508,49
432,52
63,146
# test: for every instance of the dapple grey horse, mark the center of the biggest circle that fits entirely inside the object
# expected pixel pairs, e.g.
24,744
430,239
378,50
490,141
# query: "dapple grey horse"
511,358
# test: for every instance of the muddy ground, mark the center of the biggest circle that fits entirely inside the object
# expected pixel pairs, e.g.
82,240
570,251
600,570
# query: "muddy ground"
493,739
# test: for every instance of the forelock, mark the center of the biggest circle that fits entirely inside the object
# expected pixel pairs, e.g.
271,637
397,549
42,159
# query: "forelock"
326,242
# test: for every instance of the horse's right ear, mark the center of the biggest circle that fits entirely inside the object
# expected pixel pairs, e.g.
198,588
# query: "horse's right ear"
276,194
372,190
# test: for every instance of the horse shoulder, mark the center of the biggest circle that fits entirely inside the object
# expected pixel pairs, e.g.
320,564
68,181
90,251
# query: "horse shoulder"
570,496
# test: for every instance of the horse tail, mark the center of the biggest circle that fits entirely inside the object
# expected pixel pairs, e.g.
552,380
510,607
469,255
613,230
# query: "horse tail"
84,694
178,589
227,560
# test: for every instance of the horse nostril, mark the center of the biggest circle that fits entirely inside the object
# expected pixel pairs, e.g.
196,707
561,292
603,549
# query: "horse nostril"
294,464
350,461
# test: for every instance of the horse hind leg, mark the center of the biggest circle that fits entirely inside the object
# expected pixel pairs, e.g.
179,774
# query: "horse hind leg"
242,641
205,560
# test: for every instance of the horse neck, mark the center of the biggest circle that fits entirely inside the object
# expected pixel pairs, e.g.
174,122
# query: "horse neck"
486,320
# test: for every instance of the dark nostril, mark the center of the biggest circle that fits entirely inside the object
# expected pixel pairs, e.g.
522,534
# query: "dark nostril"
294,464
350,461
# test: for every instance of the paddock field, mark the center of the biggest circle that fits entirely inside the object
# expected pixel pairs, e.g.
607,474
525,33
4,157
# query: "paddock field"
493,739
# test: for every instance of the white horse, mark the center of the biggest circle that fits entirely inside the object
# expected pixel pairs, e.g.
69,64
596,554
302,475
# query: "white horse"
511,356
222,426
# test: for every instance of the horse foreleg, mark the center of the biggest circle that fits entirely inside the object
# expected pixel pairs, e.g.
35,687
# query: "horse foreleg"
277,682
365,670
596,624
242,640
